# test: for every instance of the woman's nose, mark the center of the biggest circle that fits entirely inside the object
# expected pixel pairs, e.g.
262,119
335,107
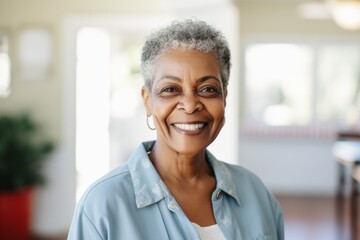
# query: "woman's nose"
190,102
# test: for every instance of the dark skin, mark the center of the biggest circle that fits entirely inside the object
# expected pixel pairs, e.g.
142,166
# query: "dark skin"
192,188
187,103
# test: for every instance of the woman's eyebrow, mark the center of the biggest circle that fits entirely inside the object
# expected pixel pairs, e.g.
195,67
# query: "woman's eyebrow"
205,78
171,77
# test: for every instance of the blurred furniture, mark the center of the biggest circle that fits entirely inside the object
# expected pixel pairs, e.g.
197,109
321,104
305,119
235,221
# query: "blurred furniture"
346,151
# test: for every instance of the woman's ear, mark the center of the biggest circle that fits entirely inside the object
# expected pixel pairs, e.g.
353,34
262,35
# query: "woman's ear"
146,100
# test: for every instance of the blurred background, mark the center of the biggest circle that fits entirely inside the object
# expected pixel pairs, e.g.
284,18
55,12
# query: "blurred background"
294,87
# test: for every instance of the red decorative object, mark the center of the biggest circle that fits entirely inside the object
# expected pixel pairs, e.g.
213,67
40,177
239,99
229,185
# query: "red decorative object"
15,214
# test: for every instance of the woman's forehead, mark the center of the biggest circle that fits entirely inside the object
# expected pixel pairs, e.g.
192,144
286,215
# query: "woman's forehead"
180,59
176,64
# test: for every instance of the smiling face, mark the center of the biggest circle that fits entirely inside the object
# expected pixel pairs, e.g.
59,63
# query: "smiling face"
187,100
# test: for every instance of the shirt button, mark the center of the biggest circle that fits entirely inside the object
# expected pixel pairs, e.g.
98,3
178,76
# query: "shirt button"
218,194
171,206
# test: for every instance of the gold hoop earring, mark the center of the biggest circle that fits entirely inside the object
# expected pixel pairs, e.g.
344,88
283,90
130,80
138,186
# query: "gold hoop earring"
147,122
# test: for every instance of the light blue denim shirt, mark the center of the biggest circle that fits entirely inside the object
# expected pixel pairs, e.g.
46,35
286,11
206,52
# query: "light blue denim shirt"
133,203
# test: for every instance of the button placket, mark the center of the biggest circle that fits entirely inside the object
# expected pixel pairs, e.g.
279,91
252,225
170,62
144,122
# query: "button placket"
188,228
171,206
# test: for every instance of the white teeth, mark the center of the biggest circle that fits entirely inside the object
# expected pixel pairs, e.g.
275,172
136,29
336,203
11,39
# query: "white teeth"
189,127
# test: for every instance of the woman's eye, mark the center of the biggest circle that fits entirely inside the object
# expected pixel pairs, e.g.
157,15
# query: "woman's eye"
209,91
169,91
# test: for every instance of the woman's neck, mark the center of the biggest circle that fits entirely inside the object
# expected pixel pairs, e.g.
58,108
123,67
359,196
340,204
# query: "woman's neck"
184,175
174,166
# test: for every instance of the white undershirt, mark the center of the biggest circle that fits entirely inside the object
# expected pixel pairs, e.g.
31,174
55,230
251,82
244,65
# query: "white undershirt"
212,232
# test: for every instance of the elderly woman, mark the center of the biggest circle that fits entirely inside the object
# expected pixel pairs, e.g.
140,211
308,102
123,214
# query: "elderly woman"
173,188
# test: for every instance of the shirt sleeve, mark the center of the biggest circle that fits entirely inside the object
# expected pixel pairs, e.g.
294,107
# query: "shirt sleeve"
82,228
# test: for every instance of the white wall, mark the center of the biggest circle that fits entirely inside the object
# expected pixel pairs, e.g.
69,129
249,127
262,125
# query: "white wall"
291,166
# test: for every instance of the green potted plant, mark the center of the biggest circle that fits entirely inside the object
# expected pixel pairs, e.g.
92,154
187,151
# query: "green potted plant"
22,155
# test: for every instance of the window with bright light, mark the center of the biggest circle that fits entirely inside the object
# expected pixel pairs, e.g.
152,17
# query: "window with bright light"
4,66
290,84
278,84
338,79
110,118
92,106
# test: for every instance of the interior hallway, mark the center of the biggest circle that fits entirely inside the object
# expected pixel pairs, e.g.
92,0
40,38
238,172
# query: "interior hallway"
308,218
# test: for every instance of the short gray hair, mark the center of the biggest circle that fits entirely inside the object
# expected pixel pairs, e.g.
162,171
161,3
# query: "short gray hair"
189,34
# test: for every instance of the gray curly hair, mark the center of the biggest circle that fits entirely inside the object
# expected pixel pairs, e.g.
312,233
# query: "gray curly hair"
189,34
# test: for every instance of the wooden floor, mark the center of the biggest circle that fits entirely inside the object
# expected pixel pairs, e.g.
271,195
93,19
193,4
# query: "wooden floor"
318,218
308,218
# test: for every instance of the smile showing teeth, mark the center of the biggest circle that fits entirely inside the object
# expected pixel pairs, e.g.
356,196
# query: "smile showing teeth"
189,127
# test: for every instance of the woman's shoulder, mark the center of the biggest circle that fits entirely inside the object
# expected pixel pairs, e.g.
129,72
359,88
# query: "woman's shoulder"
118,179
110,187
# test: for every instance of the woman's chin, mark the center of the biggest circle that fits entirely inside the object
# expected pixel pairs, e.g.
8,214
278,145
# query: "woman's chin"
191,148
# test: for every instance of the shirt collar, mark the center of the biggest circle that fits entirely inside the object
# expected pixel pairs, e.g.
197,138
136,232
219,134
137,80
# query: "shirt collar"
224,179
148,186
